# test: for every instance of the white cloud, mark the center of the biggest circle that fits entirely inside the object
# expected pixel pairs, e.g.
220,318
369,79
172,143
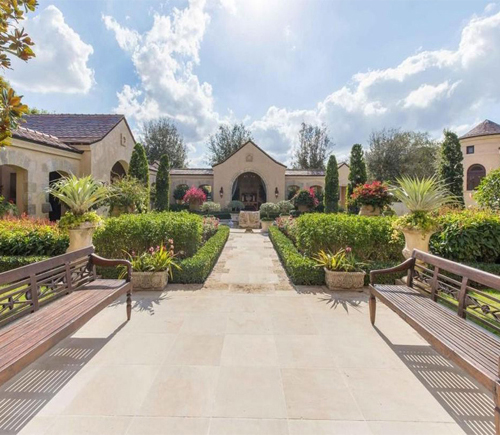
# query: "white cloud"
230,6
164,59
61,58
490,7
425,95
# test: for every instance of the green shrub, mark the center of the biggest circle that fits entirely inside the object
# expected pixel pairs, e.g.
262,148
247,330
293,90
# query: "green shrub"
15,261
196,269
210,207
488,192
137,232
162,199
300,269
468,236
28,236
369,237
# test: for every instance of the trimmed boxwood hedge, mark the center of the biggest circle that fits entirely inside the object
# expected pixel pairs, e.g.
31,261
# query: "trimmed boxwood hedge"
15,261
195,270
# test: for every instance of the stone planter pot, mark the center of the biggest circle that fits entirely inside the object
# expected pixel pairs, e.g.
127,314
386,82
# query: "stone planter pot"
81,237
344,280
149,280
235,216
303,208
265,225
194,206
416,239
369,210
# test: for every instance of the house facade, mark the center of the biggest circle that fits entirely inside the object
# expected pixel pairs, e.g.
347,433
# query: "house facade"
48,146
252,176
481,151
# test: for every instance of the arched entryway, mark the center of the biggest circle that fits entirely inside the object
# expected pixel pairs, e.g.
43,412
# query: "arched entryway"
250,189
56,208
475,174
14,186
118,170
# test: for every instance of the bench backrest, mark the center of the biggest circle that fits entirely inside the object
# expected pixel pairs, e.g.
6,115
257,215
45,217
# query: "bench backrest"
26,289
460,285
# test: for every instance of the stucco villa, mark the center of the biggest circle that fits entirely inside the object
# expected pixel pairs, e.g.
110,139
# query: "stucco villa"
252,176
49,146
481,150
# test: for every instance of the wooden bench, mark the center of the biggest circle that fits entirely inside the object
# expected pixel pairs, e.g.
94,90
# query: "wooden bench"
430,279
42,303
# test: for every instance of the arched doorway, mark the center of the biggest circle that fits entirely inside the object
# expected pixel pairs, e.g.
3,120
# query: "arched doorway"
56,208
291,191
14,186
117,171
475,174
250,189
207,189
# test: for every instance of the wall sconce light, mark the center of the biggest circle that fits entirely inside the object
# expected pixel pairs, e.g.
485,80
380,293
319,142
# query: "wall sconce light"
221,192
276,192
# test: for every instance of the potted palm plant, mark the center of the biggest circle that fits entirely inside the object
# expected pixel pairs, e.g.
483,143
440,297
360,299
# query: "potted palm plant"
268,211
342,270
234,208
421,197
80,195
151,269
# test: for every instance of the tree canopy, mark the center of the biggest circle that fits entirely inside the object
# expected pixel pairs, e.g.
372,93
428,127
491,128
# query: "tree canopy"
139,169
394,153
314,147
450,168
331,198
226,141
13,41
160,137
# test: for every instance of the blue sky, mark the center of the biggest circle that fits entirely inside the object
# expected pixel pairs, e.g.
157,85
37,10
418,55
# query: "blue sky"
355,66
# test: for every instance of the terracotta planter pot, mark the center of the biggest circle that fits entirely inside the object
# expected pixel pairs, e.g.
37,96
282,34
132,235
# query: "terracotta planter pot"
344,280
369,210
149,280
265,225
81,237
194,206
416,239
303,208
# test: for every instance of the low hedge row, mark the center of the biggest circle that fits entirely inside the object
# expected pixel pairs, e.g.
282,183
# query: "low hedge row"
195,270
14,261
300,269
138,232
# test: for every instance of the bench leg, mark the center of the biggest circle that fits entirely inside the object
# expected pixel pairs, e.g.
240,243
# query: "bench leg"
497,409
129,305
372,303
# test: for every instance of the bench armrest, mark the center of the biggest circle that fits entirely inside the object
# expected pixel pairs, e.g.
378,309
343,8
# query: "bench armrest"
408,264
100,261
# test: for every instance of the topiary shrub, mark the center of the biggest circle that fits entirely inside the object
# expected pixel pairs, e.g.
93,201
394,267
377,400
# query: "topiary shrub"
195,270
268,211
137,232
210,207
468,236
331,197
285,207
162,193
370,237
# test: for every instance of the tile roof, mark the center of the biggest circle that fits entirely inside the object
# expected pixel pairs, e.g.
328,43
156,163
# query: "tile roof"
305,172
42,138
192,171
73,128
243,146
486,128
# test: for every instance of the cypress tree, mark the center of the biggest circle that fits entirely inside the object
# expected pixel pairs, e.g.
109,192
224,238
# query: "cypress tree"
450,169
139,169
331,198
163,184
357,168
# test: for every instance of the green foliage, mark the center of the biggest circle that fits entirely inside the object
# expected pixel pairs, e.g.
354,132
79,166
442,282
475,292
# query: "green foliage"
285,207
210,227
159,259
450,169
331,198
28,236
7,207
210,207
195,270
394,153
268,210
375,194
70,220
488,192
79,194
300,269
139,167
370,237
235,206
357,168
180,191
305,197
419,220
162,138
162,200
15,261
468,236
342,261
314,145
127,195
226,141
138,232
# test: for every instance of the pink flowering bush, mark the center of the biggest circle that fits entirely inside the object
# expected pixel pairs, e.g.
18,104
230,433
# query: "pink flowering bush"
288,226
210,227
375,194
195,196
306,197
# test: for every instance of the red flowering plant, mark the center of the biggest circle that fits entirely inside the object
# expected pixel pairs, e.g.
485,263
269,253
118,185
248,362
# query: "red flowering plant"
375,194
195,196
306,197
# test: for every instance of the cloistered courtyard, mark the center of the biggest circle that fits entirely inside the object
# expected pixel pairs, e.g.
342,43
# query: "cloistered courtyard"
247,353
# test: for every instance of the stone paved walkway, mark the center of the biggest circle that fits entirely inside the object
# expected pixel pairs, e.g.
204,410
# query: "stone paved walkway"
246,354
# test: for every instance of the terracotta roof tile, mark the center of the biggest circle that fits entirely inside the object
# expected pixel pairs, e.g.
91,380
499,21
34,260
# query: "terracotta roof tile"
41,138
486,128
192,171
